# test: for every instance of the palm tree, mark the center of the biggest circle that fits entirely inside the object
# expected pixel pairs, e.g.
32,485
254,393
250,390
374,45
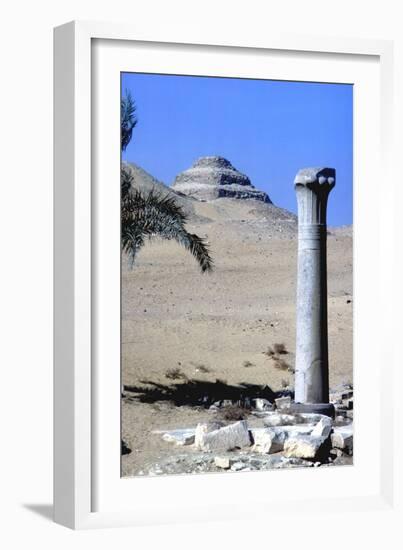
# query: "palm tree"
156,215
146,216
128,119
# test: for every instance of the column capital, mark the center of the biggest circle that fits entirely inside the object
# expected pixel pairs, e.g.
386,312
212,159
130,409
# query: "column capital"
312,186
313,177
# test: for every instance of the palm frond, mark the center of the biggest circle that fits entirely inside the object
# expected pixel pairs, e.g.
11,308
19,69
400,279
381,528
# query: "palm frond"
126,180
128,119
146,216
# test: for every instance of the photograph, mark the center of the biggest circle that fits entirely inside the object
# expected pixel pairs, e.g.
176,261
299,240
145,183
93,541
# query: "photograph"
236,274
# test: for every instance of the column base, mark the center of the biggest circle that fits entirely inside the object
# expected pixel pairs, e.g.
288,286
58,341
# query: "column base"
318,408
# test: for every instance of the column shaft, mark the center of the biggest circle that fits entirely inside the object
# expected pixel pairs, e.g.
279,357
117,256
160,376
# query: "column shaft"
312,363
312,368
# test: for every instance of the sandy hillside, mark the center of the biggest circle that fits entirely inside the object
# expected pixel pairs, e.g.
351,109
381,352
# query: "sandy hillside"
217,326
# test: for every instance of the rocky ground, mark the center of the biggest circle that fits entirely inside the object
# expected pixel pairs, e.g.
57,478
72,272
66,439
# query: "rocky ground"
191,340
262,435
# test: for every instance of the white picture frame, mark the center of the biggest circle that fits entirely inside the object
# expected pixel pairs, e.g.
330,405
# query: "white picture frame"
88,491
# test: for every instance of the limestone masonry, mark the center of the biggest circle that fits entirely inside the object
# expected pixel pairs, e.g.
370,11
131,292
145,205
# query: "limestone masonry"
214,177
312,186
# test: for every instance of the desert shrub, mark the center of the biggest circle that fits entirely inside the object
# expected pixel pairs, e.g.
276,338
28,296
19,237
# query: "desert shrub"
247,364
175,374
233,412
269,352
280,349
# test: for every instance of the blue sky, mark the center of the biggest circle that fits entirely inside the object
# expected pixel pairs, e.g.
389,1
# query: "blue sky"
266,129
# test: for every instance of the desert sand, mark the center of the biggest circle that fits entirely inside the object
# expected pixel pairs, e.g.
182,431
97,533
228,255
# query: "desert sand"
218,325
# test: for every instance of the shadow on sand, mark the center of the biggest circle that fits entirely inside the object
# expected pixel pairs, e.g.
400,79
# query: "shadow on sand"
201,393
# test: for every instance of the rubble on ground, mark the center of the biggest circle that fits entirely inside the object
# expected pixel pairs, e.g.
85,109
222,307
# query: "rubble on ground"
206,463
272,437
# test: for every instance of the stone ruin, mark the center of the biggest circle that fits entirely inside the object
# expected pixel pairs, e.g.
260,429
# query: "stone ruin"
214,177
273,435
313,427
312,187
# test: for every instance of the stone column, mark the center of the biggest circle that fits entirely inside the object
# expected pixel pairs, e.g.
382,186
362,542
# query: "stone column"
312,186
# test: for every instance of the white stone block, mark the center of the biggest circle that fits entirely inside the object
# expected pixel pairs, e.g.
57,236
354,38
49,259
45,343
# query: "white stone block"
322,428
264,442
278,419
237,466
262,404
342,437
283,403
303,446
222,439
222,462
286,419
180,437
272,440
